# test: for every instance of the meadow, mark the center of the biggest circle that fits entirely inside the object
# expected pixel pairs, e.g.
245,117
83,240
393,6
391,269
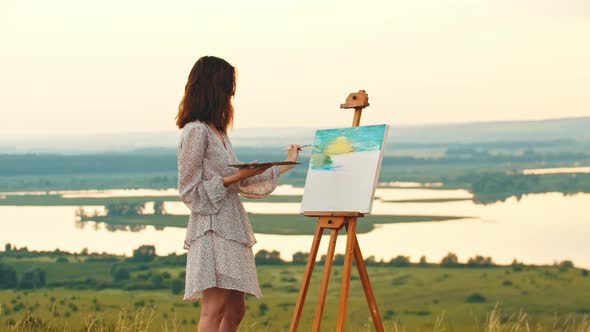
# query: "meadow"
90,292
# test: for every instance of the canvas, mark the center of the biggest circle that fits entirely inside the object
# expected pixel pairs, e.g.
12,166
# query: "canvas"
344,168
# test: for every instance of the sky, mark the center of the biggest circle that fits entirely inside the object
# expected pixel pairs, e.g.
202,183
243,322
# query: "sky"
75,67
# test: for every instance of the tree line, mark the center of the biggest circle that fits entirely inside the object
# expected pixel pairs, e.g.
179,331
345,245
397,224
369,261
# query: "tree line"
141,269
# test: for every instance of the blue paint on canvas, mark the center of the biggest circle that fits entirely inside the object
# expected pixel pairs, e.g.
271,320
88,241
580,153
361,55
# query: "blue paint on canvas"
330,142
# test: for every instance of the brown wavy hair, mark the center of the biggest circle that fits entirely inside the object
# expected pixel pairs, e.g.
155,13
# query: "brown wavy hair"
208,94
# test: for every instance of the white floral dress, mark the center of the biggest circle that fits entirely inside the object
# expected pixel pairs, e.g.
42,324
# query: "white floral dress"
219,237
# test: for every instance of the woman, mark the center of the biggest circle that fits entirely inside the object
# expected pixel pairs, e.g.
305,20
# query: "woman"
220,267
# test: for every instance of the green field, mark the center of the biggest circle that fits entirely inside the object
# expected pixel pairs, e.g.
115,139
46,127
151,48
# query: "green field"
410,299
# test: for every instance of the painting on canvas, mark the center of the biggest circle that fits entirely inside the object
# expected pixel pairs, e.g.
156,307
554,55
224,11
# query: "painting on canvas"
344,168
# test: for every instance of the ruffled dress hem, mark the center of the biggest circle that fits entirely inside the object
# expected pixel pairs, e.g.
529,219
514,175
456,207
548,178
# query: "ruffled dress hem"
213,261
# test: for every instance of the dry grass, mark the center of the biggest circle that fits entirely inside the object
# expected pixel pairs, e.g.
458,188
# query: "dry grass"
141,321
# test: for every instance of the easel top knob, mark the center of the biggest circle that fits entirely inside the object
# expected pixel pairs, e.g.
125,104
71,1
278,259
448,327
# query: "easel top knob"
356,100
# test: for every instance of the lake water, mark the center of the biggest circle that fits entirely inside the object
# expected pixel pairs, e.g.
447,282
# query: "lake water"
538,229
557,170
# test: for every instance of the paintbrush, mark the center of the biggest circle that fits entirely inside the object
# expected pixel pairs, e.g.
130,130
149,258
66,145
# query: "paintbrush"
303,146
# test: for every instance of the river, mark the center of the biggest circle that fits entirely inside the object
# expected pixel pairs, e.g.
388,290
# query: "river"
537,229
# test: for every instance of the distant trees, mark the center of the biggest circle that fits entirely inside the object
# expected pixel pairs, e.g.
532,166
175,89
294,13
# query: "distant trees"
80,212
400,261
10,249
144,253
268,257
371,261
124,209
492,187
338,259
480,261
159,208
300,258
423,261
564,265
450,260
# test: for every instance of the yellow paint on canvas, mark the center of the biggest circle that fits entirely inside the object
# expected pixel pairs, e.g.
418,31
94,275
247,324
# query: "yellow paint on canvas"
339,145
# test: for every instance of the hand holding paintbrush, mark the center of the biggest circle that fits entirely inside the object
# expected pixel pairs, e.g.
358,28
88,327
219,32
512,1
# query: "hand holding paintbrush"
299,146
292,154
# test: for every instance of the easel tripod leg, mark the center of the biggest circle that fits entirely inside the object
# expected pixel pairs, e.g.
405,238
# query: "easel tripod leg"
306,278
364,276
317,321
345,287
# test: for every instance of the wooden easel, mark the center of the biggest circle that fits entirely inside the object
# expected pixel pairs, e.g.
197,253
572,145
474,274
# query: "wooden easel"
334,221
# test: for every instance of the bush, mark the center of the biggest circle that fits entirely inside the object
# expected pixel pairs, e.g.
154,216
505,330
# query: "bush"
388,314
475,298
62,259
8,278
262,309
121,273
157,280
144,276
33,278
177,286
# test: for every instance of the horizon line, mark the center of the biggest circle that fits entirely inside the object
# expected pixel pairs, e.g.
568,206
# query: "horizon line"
309,127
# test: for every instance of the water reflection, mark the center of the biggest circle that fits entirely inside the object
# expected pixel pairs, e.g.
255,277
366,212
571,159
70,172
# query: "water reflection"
98,225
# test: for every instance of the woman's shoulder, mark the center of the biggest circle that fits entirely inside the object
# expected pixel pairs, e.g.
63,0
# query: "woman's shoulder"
194,131
194,124
191,126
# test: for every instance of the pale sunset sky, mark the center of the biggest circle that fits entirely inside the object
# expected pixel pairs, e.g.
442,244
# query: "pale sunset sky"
72,67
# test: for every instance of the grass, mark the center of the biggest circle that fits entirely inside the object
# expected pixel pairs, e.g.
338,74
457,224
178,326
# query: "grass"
409,299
